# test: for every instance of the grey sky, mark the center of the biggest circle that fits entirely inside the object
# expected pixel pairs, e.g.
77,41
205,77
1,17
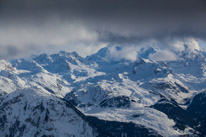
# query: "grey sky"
43,25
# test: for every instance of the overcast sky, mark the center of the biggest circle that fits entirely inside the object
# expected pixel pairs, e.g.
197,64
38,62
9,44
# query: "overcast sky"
29,26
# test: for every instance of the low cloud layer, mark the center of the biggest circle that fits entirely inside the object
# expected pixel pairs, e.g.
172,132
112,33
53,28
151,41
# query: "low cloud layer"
163,55
26,25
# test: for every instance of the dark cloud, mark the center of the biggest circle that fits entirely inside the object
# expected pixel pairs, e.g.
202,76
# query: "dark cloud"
60,22
10,52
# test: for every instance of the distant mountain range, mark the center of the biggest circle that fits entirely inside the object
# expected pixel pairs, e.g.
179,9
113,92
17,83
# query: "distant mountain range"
67,95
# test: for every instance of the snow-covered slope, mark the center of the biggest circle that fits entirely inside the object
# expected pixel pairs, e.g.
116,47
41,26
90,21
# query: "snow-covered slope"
145,92
30,112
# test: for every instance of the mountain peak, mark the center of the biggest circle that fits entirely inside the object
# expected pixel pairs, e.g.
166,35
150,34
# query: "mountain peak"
67,54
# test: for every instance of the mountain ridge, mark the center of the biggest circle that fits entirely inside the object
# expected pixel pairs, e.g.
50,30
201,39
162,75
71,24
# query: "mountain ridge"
117,90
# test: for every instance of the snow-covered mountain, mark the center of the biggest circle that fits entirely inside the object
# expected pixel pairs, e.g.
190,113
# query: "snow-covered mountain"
43,95
30,112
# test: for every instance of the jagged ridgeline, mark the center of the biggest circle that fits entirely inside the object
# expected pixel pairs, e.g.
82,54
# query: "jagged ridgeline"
64,94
